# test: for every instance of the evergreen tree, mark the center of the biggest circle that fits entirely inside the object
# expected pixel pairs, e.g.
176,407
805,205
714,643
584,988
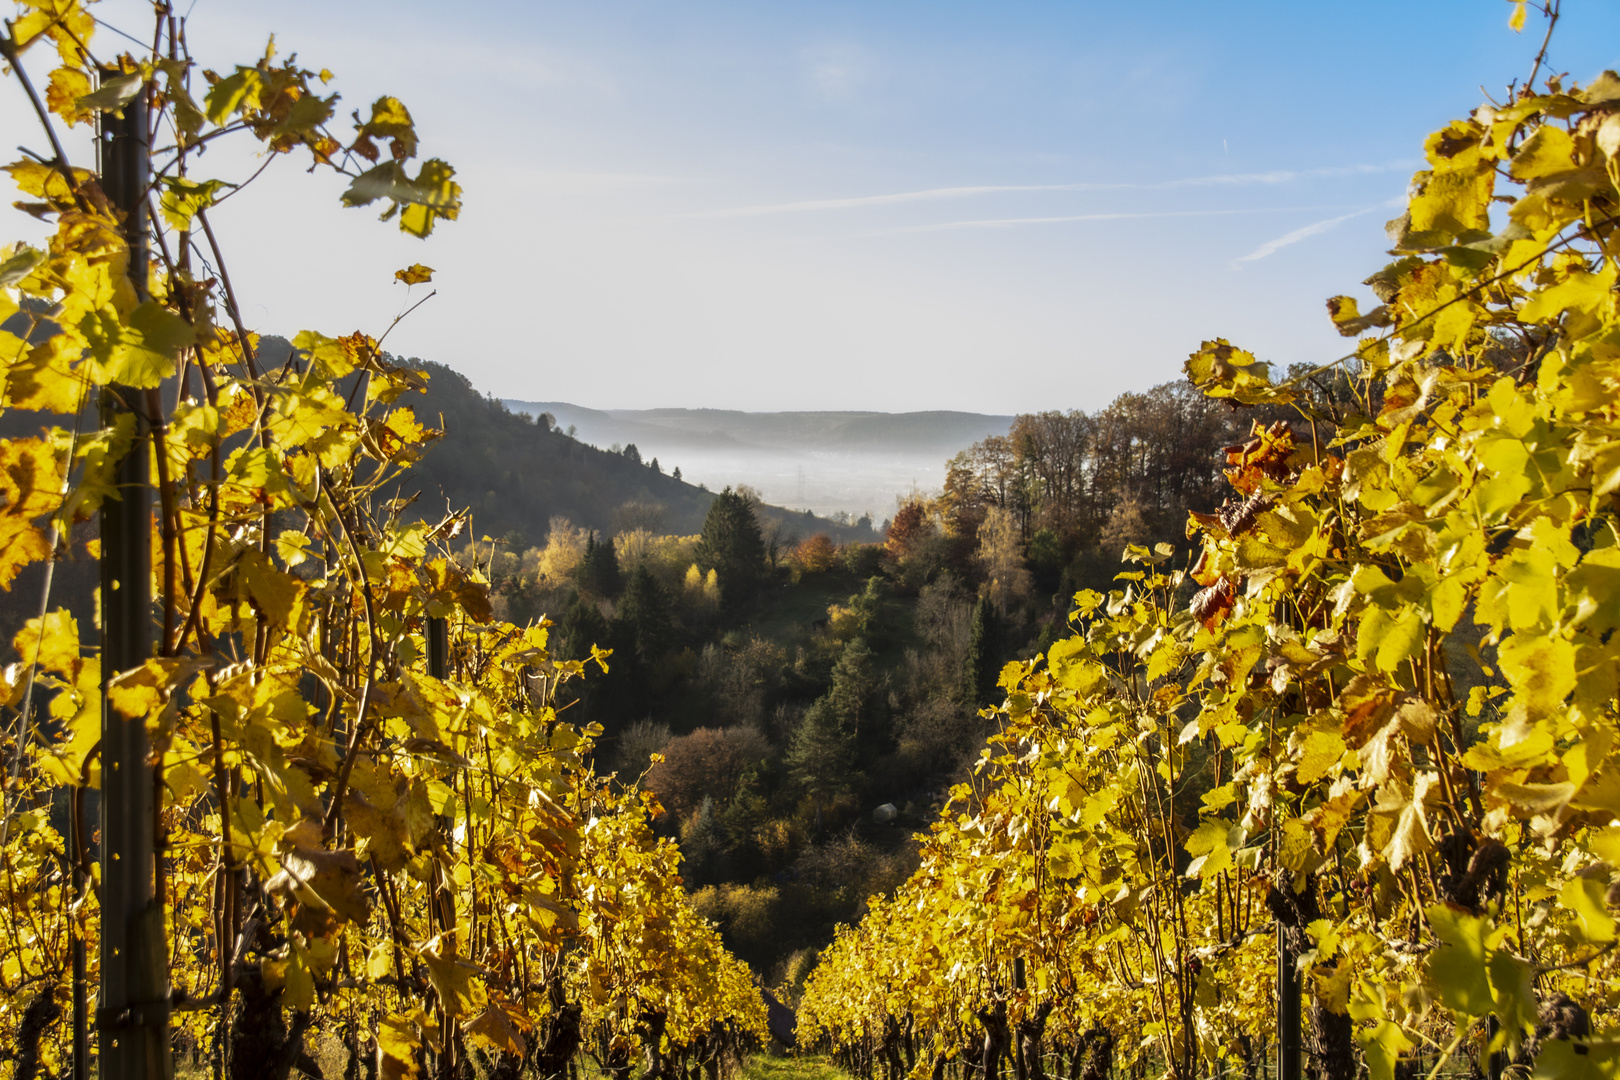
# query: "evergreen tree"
853,696
982,665
822,754
647,614
581,627
733,546
599,569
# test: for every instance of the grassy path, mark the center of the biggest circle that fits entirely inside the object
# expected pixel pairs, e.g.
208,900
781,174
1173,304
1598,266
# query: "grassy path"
795,1067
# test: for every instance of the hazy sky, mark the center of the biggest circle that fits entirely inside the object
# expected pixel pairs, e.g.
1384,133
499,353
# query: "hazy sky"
999,206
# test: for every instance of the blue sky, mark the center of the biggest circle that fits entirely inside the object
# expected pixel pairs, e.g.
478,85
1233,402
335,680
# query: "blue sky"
996,207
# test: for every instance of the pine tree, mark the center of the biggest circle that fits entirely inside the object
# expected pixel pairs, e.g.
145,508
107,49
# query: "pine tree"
822,754
733,546
853,694
599,569
982,667
581,627
647,615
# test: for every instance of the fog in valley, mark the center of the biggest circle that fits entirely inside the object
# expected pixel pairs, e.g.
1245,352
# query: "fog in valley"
833,463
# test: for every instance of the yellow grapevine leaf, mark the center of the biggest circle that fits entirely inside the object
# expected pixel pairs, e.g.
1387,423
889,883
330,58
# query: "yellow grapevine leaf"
434,195
140,352
292,546
1584,897
385,832
500,1026
43,181
1548,152
1383,1045
313,875
389,120
1456,970
52,642
1320,753
1221,370
67,85
1404,637
272,589
453,980
397,1043
238,93
1541,671
31,484
1586,293
182,199
402,423
415,274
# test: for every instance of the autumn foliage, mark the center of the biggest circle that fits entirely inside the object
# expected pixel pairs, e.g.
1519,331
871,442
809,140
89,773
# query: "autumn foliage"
413,861
816,555
1378,721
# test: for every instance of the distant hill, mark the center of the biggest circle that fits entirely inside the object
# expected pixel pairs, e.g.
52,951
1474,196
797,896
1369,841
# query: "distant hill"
849,462
516,475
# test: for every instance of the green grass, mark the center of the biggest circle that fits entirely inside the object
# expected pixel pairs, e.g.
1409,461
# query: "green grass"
792,1067
788,612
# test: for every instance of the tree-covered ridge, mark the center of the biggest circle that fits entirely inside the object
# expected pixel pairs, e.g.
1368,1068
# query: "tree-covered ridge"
1372,727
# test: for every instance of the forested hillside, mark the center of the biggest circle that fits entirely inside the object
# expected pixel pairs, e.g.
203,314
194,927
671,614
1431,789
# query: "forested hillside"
513,474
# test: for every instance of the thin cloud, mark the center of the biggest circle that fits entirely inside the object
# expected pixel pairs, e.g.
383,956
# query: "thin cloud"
1305,232
1000,223
1281,176
878,200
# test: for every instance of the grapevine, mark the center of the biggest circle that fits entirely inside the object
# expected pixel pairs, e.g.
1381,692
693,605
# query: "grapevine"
1376,719
361,849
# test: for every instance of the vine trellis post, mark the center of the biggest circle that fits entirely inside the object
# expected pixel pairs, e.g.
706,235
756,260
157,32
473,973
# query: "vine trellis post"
1288,1011
133,1008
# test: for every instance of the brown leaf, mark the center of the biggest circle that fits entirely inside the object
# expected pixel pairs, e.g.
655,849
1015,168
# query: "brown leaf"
1368,706
500,1026
1417,719
313,875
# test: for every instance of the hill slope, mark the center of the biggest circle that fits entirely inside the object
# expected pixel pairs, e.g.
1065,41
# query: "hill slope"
852,462
516,475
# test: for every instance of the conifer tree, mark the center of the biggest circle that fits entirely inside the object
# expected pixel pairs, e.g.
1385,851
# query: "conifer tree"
982,664
853,694
646,613
581,627
822,754
733,546
599,569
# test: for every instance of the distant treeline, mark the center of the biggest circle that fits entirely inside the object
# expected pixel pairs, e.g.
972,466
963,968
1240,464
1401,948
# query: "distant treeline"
1085,485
